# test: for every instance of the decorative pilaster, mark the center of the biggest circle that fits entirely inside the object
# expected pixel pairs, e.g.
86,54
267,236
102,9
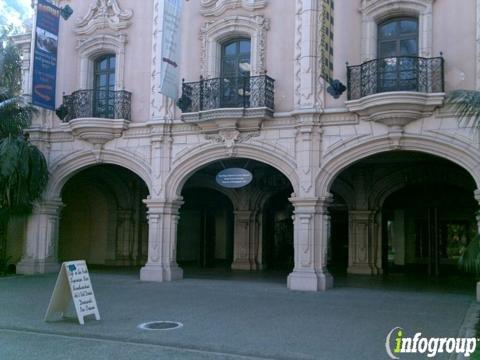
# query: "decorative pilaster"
162,108
363,242
162,241
309,86
245,250
125,237
308,151
311,236
41,244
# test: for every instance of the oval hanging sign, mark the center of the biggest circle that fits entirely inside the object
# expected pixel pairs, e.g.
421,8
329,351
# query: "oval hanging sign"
234,178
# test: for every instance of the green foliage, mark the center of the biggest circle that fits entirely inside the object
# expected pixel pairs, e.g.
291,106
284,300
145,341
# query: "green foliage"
23,168
15,115
466,104
470,259
23,174
4,265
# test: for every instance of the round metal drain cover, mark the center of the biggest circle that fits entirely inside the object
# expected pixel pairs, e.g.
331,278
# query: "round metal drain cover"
160,325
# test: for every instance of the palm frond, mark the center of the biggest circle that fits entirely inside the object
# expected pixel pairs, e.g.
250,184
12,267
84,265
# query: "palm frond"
23,174
466,105
470,259
15,116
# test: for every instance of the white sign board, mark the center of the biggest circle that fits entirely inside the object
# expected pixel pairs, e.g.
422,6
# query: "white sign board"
169,71
73,283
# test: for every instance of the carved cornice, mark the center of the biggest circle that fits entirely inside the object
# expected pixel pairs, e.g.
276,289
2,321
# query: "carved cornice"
380,9
103,14
218,7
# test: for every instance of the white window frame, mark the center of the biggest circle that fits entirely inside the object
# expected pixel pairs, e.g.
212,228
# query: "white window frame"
215,33
375,12
91,48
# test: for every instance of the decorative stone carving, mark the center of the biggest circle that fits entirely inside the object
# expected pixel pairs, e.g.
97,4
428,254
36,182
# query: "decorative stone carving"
397,108
230,137
214,32
376,11
103,14
309,85
162,108
98,131
218,7
90,47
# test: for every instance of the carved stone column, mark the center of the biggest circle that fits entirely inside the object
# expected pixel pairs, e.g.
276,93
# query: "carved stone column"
311,233
125,236
162,241
40,251
363,242
245,250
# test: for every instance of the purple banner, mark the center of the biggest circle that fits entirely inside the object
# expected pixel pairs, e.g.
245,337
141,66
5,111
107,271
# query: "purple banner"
45,55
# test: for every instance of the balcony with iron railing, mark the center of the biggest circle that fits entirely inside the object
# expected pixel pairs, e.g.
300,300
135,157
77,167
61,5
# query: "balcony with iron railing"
396,89
247,97
96,116
104,104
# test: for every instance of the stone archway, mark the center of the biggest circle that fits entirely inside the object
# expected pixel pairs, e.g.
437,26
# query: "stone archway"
40,253
310,217
343,156
376,177
199,172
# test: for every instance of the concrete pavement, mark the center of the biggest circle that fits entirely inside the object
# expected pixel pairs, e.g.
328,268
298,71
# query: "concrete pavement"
228,317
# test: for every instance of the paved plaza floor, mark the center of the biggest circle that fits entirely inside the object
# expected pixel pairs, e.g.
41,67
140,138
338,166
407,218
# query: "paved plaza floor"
230,316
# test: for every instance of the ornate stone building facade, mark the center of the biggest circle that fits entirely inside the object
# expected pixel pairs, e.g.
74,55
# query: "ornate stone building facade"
382,178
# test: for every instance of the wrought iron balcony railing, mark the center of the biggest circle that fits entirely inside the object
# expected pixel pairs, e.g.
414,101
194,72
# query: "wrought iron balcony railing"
227,92
402,73
97,104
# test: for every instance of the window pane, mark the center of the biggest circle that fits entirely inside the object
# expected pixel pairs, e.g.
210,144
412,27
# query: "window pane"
245,46
388,49
408,26
388,30
103,64
102,80
228,67
112,63
231,49
408,47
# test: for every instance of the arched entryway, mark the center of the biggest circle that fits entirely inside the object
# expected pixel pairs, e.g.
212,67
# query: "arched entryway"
426,227
406,211
205,229
103,219
248,227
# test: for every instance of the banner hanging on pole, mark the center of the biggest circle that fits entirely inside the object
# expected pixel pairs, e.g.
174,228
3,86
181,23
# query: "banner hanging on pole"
45,55
169,71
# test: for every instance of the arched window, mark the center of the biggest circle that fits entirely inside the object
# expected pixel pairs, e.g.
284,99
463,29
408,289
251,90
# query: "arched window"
104,86
398,54
235,72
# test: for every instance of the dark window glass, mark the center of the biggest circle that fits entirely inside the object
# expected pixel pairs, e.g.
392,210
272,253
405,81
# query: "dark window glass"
235,72
397,49
104,87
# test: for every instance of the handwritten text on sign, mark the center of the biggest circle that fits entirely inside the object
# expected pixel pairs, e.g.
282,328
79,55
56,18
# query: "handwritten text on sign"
74,283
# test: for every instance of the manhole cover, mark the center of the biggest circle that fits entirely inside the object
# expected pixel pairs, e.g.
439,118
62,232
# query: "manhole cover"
161,325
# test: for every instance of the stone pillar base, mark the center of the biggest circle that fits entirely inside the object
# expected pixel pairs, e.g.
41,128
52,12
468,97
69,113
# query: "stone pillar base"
159,273
361,269
172,273
30,267
244,265
309,281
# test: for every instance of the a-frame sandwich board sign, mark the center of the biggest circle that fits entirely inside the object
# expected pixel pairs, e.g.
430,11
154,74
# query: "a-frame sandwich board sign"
73,283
